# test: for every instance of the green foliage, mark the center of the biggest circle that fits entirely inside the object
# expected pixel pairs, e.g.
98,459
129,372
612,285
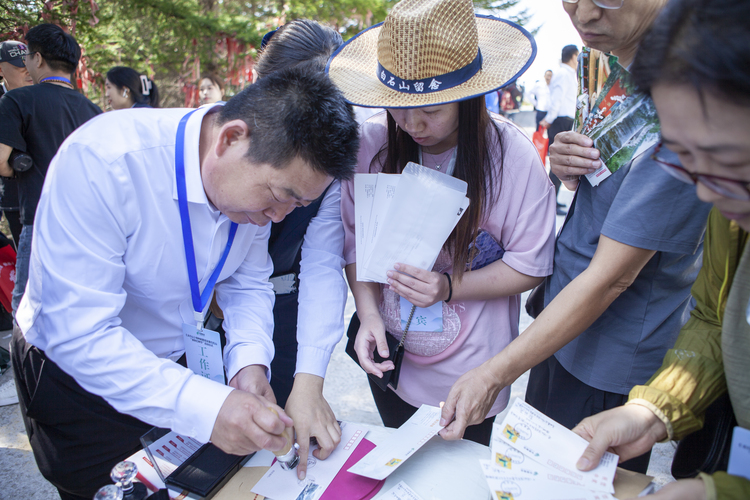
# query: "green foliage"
507,9
174,40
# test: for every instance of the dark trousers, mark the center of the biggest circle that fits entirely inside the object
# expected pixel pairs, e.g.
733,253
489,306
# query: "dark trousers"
565,399
76,437
285,345
561,124
539,117
395,411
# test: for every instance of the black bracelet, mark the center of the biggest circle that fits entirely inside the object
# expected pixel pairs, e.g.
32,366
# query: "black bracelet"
450,288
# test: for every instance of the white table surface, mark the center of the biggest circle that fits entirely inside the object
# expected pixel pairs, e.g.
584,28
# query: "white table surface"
440,470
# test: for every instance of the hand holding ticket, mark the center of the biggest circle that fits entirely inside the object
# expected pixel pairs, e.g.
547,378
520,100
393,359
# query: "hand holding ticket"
527,439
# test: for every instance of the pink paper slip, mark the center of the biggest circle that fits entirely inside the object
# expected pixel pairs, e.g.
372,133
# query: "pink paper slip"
348,486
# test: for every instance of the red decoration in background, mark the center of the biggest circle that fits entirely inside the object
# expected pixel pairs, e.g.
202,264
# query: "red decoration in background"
7,275
190,74
239,68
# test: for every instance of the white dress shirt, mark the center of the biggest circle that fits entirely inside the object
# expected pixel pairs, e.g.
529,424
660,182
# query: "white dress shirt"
108,288
322,289
539,95
563,94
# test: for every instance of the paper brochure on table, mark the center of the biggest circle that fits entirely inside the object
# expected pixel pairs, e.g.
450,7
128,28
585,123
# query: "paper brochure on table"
281,484
400,445
534,436
404,218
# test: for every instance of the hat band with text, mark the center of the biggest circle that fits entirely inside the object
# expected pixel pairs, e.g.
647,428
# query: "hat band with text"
431,84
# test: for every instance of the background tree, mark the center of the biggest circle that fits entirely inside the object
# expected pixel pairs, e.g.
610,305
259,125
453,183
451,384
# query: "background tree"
174,40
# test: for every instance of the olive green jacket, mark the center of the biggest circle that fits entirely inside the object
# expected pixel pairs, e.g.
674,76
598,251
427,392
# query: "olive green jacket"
692,374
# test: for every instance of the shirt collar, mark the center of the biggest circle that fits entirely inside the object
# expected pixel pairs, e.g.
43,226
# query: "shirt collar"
193,180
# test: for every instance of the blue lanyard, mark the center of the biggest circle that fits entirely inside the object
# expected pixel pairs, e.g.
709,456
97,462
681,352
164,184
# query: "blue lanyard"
199,299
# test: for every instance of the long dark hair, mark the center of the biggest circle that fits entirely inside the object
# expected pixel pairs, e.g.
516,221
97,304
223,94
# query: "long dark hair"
704,43
124,77
476,164
301,41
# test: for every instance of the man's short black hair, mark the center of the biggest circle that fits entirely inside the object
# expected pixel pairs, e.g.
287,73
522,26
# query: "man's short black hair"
59,49
297,112
568,52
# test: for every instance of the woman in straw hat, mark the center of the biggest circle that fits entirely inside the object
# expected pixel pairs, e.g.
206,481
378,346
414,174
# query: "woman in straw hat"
430,64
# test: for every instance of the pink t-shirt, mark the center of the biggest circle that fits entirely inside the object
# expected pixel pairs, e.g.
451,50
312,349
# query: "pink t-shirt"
522,220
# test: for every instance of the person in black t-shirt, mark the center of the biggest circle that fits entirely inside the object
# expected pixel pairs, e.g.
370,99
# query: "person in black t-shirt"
36,120
14,75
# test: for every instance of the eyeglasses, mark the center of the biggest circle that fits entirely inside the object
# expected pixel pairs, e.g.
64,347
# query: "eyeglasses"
603,4
731,188
29,55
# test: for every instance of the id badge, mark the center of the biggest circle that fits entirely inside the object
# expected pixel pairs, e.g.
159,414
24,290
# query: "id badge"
203,351
739,453
425,319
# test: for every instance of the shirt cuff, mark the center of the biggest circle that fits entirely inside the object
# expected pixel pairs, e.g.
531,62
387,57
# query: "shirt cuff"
312,360
659,414
708,482
198,406
245,355
682,419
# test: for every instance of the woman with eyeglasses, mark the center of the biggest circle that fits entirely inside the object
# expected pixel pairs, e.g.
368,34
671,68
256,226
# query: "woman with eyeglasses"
696,65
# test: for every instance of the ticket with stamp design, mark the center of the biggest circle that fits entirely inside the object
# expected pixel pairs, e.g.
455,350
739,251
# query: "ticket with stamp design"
537,437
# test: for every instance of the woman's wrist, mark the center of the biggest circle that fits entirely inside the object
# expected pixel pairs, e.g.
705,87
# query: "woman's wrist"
449,294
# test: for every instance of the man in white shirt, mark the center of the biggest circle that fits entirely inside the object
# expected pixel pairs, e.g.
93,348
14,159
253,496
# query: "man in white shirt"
562,106
539,96
110,293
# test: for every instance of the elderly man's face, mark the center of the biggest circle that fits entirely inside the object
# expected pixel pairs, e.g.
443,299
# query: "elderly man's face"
613,30
14,76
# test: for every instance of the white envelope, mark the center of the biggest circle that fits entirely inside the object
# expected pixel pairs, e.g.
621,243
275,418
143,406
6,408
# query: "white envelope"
425,209
281,484
400,445
548,443
364,194
526,488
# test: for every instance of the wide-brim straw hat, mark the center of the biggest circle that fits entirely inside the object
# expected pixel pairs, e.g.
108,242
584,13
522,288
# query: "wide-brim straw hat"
430,52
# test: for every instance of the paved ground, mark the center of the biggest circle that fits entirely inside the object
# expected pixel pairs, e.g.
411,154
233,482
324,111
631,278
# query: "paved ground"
346,389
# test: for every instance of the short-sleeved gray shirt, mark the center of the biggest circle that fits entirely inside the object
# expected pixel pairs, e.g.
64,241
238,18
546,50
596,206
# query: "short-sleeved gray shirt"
642,206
